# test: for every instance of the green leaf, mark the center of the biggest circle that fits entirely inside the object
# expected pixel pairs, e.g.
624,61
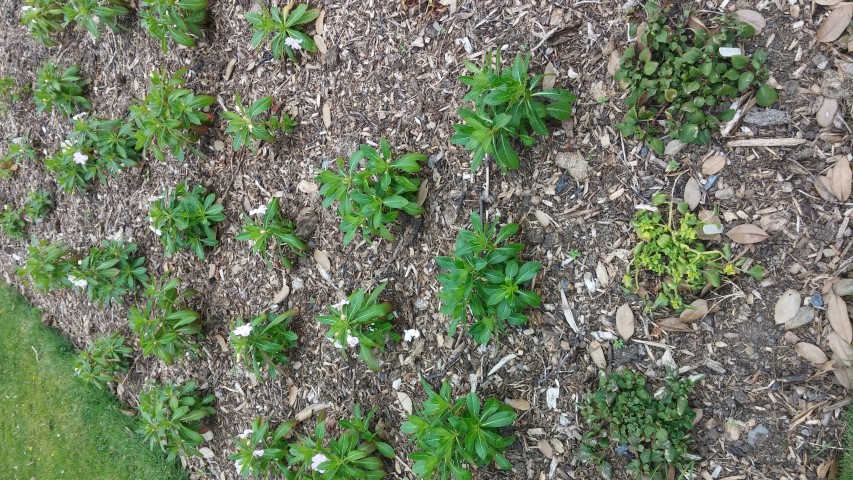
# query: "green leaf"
688,132
766,96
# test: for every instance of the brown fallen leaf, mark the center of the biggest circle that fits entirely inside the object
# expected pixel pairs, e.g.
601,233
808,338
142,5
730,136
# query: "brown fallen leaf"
841,180
695,311
518,403
613,63
834,24
753,18
282,294
405,402
810,352
747,234
550,78
843,287
836,314
423,191
692,193
840,348
625,321
713,164
672,324
827,3
787,306
824,188
826,113
322,260
804,316
597,354
844,375
327,115
545,448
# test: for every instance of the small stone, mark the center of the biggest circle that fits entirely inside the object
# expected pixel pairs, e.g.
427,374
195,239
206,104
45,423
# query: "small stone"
418,42
562,186
758,435
766,118
817,300
218,145
576,165
725,193
421,304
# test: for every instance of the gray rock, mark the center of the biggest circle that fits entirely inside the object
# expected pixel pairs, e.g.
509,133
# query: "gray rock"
758,435
766,118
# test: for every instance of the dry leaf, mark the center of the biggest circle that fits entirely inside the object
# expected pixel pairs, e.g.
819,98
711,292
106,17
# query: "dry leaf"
804,316
306,186
841,180
625,321
810,352
671,324
282,294
746,234
327,115
206,453
545,448
543,218
843,287
844,376
753,18
713,164
320,42
322,260
518,403
826,112
787,306
836,313
695,311
824,188
613,63
692,193
602,275
550,77
827,3
840,348
423,190
834,24
405,402
597,354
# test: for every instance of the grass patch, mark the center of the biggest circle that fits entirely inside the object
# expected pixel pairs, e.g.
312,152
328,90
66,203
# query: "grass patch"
846,470
52,425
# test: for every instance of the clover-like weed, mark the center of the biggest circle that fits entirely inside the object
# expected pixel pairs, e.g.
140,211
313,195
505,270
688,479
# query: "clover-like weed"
38,205
509,105
486,277
651,432
109,271
47,266
270,230
12,222
42,18
169,118
10,92
263,340
285,27
93,15
103,360
246,125
449,434
262,452
185,218
361,322
370,199
678,78
166,326
180,20
170,417
61,90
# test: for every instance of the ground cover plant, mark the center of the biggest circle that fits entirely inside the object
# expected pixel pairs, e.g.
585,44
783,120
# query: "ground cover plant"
650,431
371,198
62,90
262,452
48,412
185,218
93,15
270,231
180,20
679,77
20,150
42,18
486,277
247,126
47,266
448,434
262,341
285,27
109,271
12,222
169,118
170,417
166,326
509,105
39,203
10,92
103,360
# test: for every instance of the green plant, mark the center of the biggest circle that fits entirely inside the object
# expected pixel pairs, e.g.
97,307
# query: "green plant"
676,254
103,360
246,126
42,18
507,108
185,218
361,322
10,92
61,90
285,27
94,14
450,433
180,20
71,167
38,204
20,149
269,229
47,266
110,142
170,417
166,326
262,341
372,198
650,432
262,453
678,78
12,222
169,118
486,277
109,271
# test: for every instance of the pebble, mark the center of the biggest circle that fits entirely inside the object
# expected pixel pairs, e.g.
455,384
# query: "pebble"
562,185
219,145
766,118
725,193
817,300
758,435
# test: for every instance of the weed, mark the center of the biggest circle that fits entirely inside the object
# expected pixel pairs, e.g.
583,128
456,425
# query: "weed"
185,218
269,229
12,222
246,126
109,271
38,204
93,15
166,327
42,18
103,360
10,92
262,341
285,27
64,91
180,20
20,150
170,417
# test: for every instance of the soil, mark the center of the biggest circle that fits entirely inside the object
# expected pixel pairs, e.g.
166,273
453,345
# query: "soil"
390,70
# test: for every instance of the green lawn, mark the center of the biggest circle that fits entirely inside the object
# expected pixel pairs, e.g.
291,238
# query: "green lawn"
846,470
52,426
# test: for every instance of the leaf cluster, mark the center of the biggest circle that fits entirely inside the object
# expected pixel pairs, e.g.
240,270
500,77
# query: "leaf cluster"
285,27
180,20
12,222
678,81
185,218
110,271
373,197
166,326
42,18
247,126
38,204
61,90
170,417
102,361
271,230
361,322
20,149
110,142
265,345
169,118
47,266
272,463
93,15
449,434
10,92
651,432
486,277
508,107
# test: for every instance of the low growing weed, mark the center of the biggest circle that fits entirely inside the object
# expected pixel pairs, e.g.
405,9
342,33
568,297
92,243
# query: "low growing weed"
47,266
170,417
486,277
285,27
38,205
12,222
42,18
651,432
270,231
61,90
185,218
262,341
103,360
509,106
370,199
166,326
20,150
361,322
10,92
93,15
180,20
109,271
449,434
247,127
678,78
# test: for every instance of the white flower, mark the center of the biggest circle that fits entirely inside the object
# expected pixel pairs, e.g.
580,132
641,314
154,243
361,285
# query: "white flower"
245,433
352,341
258,453
316,460
341,303
294,43
80,158
409,335
65,144
78,282
336,343
258,211
243,330
238,464
18,140
156,231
